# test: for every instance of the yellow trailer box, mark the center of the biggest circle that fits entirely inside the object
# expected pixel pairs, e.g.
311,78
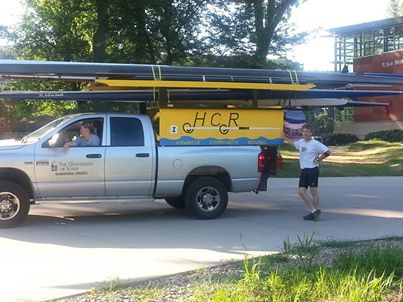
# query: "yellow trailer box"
181,127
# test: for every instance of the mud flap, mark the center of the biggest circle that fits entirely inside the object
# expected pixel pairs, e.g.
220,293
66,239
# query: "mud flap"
263,181
270,166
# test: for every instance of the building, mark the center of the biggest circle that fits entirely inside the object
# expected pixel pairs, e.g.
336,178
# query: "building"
372,47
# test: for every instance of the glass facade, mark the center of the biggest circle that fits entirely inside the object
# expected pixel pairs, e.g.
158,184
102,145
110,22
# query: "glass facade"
362,40
344,115
366,43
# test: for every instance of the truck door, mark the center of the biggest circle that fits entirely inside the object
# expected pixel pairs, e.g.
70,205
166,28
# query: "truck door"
129,159
77,172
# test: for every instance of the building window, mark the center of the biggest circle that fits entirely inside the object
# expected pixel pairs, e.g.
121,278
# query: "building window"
378,42
358,45
399,37
368,43
344,115
389,39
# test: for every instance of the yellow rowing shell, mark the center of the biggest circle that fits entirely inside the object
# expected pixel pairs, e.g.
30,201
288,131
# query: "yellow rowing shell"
127,84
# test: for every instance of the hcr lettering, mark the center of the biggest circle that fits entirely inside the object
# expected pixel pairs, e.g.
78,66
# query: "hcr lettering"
216,119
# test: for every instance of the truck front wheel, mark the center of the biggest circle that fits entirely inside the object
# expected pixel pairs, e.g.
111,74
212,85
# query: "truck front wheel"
14,204
206,198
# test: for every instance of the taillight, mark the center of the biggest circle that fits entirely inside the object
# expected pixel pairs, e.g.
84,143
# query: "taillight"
261,158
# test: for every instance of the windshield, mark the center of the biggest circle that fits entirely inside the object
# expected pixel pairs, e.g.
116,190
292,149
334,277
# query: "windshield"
37,134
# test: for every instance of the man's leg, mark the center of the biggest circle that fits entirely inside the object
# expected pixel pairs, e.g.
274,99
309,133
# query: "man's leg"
315,197
315,201
311,215
313,184
303,186
306,198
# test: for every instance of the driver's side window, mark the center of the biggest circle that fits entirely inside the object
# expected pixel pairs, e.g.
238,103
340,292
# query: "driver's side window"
72,132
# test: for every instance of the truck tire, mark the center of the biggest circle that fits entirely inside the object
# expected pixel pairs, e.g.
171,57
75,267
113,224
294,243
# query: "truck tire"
177,202
14,204
206,198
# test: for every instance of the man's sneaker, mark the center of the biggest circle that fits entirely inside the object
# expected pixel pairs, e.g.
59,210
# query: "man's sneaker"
309,216
316,215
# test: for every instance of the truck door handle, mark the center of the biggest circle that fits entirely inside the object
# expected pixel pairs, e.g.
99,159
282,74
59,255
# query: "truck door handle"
96,155
142,154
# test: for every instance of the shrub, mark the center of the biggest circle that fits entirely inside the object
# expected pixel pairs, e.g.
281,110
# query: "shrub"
386,135
341,139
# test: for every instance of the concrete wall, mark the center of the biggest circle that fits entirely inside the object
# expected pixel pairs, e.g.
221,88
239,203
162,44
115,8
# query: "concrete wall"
363,128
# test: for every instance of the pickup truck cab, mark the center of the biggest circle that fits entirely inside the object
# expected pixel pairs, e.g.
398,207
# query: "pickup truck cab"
128,165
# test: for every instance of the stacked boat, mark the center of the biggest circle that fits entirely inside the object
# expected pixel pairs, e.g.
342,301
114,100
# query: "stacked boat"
147,83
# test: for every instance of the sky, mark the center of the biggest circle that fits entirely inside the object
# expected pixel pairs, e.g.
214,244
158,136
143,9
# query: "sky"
10,11
317,16
314,16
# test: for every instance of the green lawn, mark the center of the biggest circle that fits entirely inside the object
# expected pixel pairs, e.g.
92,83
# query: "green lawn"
364,158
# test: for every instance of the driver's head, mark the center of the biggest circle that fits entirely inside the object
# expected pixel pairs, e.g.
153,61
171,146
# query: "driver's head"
86,129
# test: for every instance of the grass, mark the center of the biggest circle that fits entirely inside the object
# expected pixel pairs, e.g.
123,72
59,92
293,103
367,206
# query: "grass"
366,271
387,260
333,243
306,250
364,158
368,274
281,285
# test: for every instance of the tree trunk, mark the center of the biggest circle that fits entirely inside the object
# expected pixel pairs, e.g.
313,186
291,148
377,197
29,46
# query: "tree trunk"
262,41
167,33
266,20
99,38
143,50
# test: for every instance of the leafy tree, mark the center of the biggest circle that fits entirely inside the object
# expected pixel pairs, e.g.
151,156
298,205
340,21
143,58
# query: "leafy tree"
394,9
252,28
322,121
230,33
61,30
177,24
55,30
51,30
7,52
21,110
132,31
156,31
130,38
101,31
7,118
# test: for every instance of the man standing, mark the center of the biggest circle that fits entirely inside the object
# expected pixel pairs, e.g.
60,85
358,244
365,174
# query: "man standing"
311,153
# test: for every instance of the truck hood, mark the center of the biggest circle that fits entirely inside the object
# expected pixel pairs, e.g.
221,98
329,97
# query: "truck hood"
10,144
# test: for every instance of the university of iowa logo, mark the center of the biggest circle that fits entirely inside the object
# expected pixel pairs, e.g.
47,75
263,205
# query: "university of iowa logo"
54,166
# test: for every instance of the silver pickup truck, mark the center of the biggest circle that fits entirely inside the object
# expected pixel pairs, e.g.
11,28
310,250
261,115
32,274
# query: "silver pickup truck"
127,165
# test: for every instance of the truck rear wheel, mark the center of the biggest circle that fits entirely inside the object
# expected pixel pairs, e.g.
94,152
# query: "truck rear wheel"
206,198
177,202
14,204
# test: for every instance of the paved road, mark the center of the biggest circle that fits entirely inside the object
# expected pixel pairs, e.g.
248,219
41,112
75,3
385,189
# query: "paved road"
64,250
